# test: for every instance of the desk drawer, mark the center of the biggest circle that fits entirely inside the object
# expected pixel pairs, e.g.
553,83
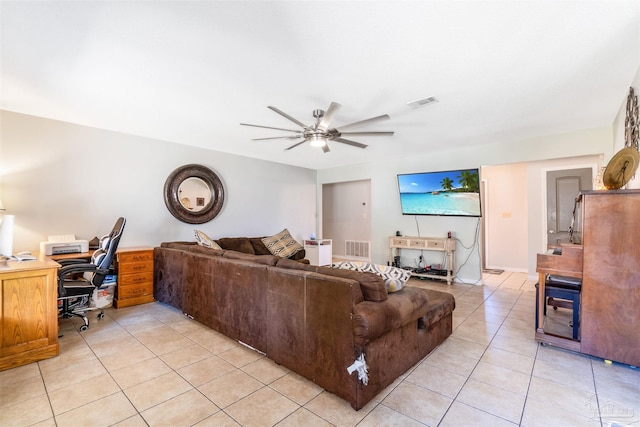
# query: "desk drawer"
139,290
135,279
135,267
127,257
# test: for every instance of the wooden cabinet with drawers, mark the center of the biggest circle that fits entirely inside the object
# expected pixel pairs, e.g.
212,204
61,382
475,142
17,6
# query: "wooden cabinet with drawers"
134,267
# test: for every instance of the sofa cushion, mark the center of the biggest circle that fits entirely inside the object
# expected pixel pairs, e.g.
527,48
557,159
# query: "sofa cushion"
258,259
204,250
258,246
295,265
282,244
239,244
372,320
372,286
177,245
394,278
203,240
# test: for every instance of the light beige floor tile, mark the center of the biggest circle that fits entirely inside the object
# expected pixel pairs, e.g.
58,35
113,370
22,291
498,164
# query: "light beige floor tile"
219,419
384,416
135,354
78,353
541,414
337,411
525,347
463,347
456,363
185,356
504,378
265,370
509,360
464,415
418,403
229,388
183,410
205,370
163,339
103,412
303,417
140,372
494,400
616,371
72,374
265,407
240,356
20,390
213,341
134,421
20,373
619,401
115,345
26,412
578,376
157,390
437,380
564,397
76,395
296,388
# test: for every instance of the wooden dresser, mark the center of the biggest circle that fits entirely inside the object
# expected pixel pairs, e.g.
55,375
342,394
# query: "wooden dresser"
609,264
29,311
134,267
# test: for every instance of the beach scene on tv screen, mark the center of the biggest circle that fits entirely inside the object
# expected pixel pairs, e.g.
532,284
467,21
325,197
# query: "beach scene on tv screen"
440,193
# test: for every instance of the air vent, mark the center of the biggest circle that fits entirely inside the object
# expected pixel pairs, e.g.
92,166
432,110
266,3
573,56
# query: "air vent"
423,102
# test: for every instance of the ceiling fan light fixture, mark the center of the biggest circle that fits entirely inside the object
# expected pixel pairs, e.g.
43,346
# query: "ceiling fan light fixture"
318,140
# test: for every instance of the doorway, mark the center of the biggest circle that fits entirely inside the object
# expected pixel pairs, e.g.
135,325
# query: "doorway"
563,188
346,218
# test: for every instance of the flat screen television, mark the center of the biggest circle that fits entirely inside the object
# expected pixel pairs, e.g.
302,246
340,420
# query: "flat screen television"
445,193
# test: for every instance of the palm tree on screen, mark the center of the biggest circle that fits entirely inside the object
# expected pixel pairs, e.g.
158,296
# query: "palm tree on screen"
469,180
446,184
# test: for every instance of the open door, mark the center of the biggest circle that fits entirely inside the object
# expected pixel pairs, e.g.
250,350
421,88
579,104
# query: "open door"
563,187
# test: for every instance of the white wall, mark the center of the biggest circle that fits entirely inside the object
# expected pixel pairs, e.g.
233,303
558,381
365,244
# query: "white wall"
618,129
386,216
505,216
60,178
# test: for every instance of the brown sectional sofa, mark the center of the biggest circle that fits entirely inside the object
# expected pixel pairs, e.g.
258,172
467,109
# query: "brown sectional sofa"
313,320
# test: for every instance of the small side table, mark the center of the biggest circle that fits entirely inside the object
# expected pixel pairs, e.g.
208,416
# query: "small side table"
319,251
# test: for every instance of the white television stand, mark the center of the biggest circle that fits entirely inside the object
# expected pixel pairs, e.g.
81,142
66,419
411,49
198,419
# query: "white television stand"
441,244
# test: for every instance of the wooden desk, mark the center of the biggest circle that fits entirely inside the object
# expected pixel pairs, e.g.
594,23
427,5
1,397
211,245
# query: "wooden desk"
79,255
29,311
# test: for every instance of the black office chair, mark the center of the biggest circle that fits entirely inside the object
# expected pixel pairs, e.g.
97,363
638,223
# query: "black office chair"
77,279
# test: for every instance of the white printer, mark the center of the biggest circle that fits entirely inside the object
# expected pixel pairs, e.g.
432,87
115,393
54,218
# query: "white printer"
63,244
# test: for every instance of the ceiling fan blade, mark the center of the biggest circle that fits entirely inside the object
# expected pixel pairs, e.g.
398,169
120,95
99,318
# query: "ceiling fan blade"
368,133
283,114
334,107
296,144
364,122
277,137
346,141
325,148
269,127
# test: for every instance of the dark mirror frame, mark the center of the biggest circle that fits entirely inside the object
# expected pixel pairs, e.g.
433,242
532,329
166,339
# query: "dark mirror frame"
172,200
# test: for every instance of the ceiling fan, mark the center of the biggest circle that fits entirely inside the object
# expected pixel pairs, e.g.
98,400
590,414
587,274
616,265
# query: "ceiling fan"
319,133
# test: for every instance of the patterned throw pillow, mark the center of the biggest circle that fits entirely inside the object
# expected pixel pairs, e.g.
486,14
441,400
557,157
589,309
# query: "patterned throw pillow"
282,244
394,278
206,241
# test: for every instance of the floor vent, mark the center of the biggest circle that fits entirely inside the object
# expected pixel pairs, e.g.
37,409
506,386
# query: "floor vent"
357,250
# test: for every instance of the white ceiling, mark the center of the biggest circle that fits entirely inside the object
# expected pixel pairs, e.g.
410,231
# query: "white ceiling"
191,71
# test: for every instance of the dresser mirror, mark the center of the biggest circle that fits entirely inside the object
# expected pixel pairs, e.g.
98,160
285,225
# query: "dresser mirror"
194,194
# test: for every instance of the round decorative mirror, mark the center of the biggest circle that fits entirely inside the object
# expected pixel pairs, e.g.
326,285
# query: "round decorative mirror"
194,194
